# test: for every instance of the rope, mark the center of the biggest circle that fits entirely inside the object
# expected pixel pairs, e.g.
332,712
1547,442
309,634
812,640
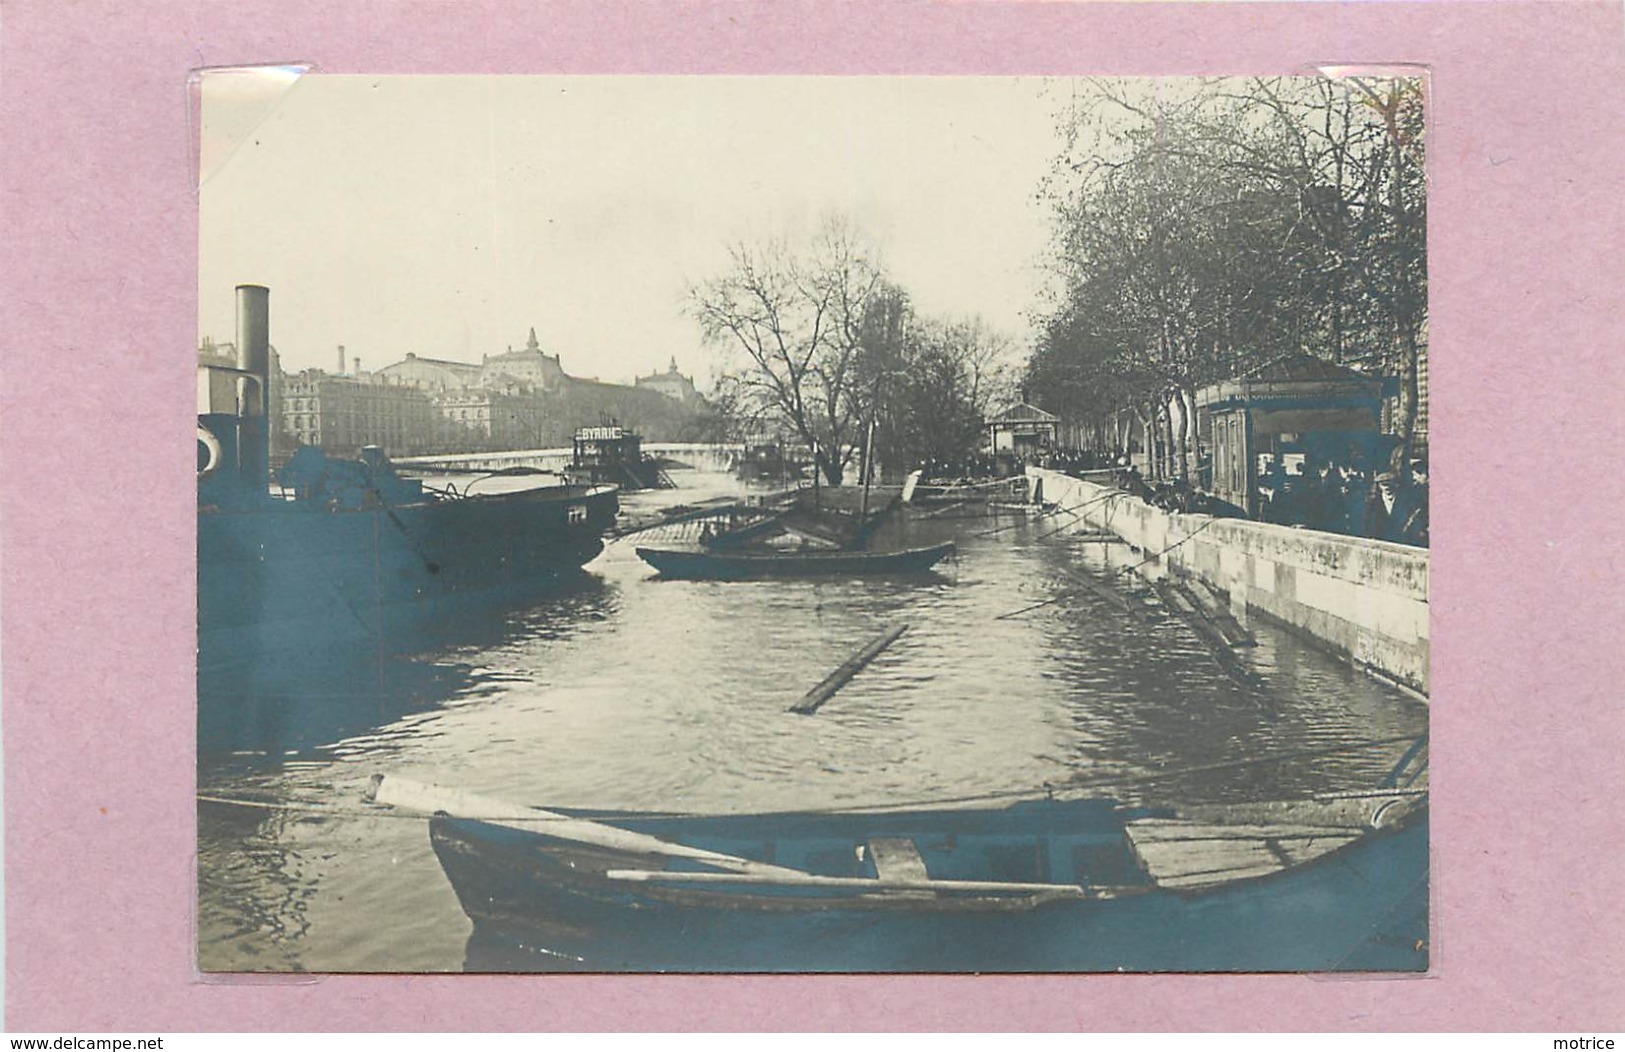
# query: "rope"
1074,511
1097,500
1157,555
1115,573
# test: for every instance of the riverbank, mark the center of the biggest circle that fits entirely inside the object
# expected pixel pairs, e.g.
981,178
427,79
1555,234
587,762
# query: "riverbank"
1367,600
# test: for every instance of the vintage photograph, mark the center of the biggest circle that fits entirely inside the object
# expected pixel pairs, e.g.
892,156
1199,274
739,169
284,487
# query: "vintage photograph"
812,524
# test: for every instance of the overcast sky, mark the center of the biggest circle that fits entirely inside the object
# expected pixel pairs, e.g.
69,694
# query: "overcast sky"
447,215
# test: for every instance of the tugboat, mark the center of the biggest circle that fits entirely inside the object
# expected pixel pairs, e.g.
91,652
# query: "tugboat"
348,553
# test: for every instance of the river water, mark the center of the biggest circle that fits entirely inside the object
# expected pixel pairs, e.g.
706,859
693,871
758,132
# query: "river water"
619,690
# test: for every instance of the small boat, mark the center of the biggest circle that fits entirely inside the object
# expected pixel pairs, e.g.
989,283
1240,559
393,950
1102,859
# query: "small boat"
753,564
1041,885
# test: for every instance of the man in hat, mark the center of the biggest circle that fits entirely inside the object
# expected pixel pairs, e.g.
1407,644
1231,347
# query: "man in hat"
1408,516
1379,504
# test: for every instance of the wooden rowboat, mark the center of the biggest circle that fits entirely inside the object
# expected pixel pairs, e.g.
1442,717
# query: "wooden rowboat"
1047,885
740,565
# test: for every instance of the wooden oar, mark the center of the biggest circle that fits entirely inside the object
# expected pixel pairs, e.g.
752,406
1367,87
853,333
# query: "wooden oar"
702,512
434,799
653,876
943,509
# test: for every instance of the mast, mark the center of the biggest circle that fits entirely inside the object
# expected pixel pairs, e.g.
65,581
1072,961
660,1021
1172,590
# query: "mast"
818,469
868,470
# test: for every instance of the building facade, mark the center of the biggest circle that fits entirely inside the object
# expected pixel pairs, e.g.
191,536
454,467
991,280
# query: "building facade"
479,420
672,384
343,414
515,400
431,374
1022,430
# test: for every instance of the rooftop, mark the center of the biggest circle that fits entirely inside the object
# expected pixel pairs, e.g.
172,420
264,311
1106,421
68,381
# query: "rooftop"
1023,413
1302,367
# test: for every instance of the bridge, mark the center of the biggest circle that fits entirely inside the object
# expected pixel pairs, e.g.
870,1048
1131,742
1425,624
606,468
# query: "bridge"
704,456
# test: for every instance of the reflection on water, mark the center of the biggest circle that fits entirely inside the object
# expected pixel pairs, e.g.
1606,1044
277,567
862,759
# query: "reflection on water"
285,705
620,690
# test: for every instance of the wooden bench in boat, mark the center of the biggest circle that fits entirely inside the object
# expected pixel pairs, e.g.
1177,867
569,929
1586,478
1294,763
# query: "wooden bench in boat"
897,860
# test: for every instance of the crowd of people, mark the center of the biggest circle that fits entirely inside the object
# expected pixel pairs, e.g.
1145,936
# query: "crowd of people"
1348,498
949,469
1178,495
1078,461
1312,492
1002,465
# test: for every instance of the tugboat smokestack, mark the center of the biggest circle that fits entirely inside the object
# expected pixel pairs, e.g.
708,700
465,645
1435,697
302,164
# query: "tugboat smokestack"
254,334
254,358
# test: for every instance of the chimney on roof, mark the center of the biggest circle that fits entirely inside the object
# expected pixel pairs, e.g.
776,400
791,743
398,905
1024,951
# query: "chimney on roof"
341,359
358,365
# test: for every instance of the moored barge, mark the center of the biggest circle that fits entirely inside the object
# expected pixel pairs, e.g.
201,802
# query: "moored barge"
349,553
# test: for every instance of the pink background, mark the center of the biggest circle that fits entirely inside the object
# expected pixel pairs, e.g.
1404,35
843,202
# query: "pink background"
99,329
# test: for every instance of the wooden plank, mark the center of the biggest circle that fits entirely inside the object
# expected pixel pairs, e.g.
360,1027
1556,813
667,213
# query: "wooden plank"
432,799
1173,829
1191,881
897,860
1166,863
813,699
1297,852
864,884
1191,854
1299,848
1218,605
1216,843
1100,591
1217,645
1352,812
1184,602
1184,853
1202,596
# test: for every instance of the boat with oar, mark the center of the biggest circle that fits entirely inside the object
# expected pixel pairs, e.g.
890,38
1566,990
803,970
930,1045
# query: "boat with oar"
756,563
1336,883
820,532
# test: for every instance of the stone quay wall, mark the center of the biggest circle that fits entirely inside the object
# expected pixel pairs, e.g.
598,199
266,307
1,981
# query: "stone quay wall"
1365,599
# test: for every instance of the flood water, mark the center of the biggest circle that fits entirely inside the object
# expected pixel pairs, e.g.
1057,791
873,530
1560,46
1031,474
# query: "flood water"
620,690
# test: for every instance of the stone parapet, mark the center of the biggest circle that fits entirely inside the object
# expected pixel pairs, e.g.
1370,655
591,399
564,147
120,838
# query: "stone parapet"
1365,599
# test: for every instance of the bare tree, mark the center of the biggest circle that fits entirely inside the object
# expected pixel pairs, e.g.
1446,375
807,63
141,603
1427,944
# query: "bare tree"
946,376
794,320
